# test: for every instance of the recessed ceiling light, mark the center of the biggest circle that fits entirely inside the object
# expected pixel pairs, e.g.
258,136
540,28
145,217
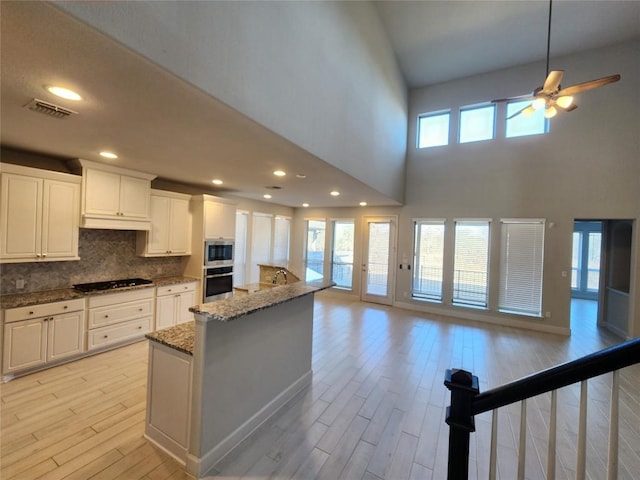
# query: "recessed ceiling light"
267,196
363,204
64,93
305,205
300,175
110,155
279,173
216,181
335,193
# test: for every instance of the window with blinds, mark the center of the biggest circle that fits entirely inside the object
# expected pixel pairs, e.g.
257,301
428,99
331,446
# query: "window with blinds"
428,257
281,236
521,260
240,254
471,263
314,250
342,253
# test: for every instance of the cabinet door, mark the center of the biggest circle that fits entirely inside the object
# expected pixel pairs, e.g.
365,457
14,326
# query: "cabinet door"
25,344
180,231
60,219
187,300
160,225
65,335
20,217
219,220
134,197
102,192
166,311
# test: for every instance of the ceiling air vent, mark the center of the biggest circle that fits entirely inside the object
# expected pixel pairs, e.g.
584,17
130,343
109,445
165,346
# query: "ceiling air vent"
47,108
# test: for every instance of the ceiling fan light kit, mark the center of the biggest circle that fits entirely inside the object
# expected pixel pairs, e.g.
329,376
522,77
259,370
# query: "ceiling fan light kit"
551,95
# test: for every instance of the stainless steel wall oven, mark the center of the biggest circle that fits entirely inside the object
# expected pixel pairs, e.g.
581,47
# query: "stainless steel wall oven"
217,283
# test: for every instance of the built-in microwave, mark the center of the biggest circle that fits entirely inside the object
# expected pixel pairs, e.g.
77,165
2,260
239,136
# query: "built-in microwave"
218,252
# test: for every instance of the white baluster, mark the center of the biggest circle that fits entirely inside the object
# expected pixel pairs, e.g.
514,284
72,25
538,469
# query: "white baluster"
522,446
494,445
551,446
582,433
612,465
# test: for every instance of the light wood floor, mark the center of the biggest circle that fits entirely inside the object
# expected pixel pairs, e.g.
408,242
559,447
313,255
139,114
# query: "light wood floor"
375,409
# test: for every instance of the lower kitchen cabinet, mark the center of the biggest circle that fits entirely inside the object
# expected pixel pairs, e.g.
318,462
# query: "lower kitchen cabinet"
173,303
119,317
34,336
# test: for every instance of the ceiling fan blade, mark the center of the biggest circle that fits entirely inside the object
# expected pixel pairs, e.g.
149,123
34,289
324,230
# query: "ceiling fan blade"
581,87
552,83
526,110
519,98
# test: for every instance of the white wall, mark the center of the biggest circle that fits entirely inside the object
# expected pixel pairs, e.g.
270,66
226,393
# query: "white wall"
586,167
320,74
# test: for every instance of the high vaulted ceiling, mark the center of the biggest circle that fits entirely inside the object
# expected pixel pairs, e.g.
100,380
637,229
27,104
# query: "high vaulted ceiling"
170,134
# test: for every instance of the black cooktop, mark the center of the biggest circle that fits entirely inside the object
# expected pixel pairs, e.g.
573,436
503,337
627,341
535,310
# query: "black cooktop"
111,284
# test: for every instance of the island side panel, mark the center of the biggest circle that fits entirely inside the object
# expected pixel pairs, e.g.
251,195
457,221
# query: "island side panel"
250,366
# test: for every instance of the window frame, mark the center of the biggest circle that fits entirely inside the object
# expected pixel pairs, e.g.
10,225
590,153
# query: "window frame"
460,301
532,277
306,248
424,116
471,108
422,295
332,262
546,122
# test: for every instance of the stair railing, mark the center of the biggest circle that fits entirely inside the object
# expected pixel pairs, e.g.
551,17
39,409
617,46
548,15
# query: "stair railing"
467,401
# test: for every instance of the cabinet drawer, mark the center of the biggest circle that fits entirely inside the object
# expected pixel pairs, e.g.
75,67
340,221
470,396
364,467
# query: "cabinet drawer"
177,288
121,297
43,310
111,314
101,337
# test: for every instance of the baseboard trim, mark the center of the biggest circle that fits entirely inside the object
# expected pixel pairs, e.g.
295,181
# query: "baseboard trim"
505,322
199,467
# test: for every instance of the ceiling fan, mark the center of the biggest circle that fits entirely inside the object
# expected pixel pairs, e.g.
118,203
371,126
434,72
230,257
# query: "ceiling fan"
551,96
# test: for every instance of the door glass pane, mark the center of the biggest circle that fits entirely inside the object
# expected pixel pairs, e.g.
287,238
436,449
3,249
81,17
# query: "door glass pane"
428,259
378,259
593,278
314,255
342,258
575,260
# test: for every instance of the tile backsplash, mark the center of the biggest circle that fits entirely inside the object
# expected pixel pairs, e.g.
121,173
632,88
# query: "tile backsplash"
104,255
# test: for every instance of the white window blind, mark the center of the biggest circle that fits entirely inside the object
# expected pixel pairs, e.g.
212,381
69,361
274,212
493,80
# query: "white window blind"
342,253
428,255
471,263
281,234
240,253
260,244
521,260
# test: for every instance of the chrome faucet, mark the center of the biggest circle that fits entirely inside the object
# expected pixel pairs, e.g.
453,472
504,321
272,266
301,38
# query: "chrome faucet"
274,280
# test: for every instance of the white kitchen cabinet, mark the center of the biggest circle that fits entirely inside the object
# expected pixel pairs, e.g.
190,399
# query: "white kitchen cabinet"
170,233
118,317
34,336
173,303
114,197
219,220
39,215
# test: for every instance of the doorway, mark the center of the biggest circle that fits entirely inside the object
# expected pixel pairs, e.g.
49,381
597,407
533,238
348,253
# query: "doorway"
378,260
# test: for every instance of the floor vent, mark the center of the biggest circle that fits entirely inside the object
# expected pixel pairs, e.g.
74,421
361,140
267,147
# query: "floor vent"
47,108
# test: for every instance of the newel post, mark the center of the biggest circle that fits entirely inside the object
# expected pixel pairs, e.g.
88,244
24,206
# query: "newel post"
463,386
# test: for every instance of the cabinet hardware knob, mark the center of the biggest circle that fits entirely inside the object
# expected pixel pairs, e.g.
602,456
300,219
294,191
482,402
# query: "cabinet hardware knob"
140,327
44,254
106,316
31,313
106,336
65,307
140,309
169,290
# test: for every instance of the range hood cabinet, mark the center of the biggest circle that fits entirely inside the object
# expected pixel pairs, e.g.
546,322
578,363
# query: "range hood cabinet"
115,198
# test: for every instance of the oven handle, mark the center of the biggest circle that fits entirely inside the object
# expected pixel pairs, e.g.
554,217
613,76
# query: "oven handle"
219,275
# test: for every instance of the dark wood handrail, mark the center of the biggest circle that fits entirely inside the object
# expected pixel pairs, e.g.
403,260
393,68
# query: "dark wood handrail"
598,363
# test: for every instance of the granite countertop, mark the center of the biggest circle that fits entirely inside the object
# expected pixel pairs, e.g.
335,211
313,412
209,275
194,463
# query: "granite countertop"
62,294
179,337
241,305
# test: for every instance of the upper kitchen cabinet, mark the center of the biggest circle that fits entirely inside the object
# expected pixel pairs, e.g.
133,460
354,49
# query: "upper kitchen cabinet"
170,233
219,218
115,198
39,215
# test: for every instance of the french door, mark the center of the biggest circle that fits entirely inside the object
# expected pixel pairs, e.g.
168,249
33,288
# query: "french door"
378,260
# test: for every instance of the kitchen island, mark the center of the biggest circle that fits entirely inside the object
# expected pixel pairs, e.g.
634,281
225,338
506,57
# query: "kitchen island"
215,380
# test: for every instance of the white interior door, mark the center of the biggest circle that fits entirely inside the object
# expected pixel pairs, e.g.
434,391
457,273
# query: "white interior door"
378,260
